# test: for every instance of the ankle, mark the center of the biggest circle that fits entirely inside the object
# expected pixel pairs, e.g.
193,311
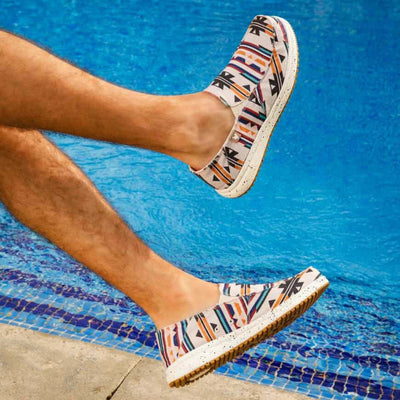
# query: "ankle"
204,127
214,121
188,296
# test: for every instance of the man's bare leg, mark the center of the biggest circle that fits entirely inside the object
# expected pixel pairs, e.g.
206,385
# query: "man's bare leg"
47,192
40,91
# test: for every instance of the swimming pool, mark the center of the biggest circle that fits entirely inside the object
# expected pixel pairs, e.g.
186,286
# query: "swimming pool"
327,195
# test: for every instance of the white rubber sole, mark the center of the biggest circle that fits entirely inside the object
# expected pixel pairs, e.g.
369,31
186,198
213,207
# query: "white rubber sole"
252,164
191,366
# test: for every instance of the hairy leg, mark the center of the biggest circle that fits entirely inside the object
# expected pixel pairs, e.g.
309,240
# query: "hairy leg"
46,191
40,91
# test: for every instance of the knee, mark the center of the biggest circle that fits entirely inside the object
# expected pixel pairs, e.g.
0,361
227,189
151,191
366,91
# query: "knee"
18,144
11,140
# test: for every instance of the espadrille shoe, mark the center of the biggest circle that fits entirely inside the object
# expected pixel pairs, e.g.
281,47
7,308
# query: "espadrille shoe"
256,85
244,316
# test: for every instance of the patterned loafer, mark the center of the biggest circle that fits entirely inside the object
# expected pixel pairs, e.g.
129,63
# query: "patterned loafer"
256,85
244,316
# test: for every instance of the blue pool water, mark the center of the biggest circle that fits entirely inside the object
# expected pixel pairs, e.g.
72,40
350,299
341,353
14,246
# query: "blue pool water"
327,195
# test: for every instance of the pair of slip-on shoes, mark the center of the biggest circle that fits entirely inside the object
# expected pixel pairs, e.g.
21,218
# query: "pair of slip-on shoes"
256,85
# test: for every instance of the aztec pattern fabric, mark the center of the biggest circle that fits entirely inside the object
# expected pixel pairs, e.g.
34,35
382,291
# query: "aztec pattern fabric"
238,306
242,289
250,85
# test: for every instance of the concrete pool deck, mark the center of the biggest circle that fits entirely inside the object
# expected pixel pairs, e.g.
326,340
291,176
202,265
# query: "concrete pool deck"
35,365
